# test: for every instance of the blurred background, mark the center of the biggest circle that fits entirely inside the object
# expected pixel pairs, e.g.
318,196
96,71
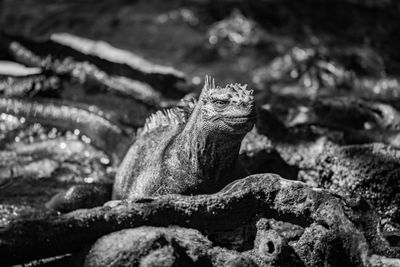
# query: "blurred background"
78,78
230,39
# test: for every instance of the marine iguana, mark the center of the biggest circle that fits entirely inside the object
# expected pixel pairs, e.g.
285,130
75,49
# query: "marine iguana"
189,149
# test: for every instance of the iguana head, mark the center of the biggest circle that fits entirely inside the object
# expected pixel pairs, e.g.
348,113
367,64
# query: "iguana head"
227,110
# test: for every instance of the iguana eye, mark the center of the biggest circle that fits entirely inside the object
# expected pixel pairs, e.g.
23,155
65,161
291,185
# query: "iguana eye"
220,102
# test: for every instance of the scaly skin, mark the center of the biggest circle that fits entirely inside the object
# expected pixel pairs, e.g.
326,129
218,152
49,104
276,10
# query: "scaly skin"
189,150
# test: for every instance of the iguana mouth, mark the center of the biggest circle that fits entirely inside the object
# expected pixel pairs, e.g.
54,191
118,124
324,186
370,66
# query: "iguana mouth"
239,119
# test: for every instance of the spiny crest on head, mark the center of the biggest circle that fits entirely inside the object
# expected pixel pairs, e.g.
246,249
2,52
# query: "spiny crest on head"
234,90
239,92
209,86
238,89
209,83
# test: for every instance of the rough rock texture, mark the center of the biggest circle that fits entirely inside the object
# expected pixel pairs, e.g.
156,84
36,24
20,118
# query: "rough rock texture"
274,243
353,226
159,246
331,91
150,246
368,170
344,143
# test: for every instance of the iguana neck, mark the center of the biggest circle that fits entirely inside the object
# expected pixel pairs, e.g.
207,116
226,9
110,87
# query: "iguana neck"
212,154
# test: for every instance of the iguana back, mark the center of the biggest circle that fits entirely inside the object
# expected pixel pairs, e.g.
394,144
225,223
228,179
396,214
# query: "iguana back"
143,161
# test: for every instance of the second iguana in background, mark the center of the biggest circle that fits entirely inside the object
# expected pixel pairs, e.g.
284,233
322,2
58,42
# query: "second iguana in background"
190,149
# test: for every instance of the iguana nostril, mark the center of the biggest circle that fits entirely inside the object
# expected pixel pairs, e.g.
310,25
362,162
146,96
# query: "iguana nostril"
270,247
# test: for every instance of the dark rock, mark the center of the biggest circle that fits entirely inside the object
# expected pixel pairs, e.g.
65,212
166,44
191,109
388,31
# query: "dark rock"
240,202
240,261
150,246
259,156
20,81
369,170
80,196
222,257
106,134
98,63
319,245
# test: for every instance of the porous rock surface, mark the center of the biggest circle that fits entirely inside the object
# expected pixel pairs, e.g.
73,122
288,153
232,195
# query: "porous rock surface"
317,227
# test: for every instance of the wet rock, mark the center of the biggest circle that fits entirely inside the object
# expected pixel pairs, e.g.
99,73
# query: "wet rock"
314,71
28,86
365,61
10,213
366,169
234,32
345,113
21,81
99,64
105,134
80,196
37,169
304,72
34,169
120,62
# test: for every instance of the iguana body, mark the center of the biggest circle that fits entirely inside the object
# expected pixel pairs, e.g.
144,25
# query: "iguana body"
191,149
